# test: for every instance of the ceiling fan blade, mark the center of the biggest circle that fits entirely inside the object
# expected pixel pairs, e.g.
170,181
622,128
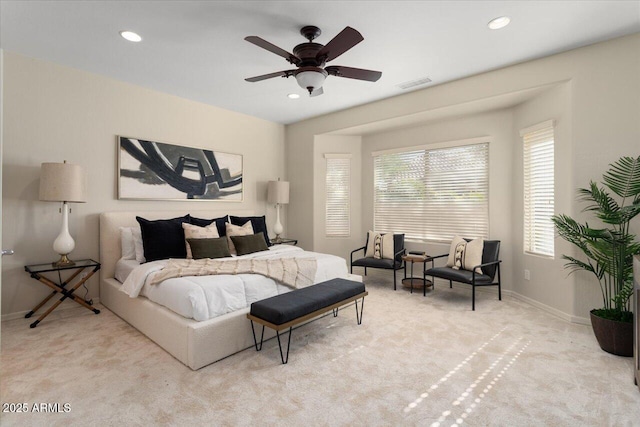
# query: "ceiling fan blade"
341,43
273,48
316,92
286,73
353,73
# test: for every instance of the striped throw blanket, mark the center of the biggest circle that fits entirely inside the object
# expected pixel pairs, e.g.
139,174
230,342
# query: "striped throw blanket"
293,272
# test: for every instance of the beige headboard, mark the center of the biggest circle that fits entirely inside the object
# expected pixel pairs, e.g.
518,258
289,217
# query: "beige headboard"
110,223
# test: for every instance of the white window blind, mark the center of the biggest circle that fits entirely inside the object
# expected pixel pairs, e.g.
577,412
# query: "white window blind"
538,189
433,194
338,187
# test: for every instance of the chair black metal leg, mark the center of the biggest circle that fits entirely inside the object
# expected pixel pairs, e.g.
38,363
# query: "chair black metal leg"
365,271
450,284
473,297
284,360
499,285
255,342
394,280
359,316
335,312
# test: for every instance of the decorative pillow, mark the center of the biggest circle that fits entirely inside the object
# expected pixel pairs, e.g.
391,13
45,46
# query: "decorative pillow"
236,230
473,255
249,244
163,238
379,246
194,232
209,247
127,248
220,223
456,249
257,222
137,244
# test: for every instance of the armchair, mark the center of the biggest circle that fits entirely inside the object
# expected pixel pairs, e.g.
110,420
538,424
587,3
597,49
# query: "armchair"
388,264
490,266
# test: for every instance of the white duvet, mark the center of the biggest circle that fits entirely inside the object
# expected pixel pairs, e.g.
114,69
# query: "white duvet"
205,297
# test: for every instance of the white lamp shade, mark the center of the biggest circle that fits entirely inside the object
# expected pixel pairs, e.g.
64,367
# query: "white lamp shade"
63,182
278,192
310,79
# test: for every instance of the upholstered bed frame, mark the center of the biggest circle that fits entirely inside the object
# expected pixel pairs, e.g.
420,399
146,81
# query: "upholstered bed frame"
196,344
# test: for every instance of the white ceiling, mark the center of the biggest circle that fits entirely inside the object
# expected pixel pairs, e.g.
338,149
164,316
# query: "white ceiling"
195,49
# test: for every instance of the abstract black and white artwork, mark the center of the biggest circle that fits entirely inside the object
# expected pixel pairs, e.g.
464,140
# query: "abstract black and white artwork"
158,171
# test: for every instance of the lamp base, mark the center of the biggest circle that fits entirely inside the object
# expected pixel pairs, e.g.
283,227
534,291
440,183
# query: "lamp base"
64,261
277,239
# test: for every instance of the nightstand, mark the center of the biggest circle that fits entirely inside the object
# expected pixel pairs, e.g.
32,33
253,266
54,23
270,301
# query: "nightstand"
37,270
283,241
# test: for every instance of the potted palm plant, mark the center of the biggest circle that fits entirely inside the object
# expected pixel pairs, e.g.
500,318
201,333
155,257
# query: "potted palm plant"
609,250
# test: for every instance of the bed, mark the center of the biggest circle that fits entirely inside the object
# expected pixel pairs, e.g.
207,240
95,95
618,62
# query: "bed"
194,343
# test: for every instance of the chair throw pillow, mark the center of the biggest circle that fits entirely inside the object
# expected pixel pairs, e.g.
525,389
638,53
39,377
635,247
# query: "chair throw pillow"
236,230
249,244
209,247
465,255
379,246
194,232
473,255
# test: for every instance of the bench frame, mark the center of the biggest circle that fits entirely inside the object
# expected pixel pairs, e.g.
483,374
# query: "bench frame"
290,324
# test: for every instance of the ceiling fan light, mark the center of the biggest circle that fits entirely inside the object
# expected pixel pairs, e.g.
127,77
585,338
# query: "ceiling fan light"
310,80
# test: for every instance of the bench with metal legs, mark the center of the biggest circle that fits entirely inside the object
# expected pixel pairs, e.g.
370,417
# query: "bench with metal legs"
269,312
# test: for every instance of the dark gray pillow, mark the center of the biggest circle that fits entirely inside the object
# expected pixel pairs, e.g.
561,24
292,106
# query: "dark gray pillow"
209,248
249,244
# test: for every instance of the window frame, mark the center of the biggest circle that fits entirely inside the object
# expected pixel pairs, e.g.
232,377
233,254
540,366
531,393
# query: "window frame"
483,140
337,156
529,247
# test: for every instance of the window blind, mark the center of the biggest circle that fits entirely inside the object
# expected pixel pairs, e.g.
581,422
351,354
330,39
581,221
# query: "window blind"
538,191
433,194
338,187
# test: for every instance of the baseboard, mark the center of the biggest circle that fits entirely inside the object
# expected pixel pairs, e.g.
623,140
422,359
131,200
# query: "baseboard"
544,307
66,305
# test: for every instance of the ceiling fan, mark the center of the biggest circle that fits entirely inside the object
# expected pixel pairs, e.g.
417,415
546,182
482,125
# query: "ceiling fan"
310,58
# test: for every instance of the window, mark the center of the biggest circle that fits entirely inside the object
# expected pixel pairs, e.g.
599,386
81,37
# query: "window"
538,189
338,187
433,194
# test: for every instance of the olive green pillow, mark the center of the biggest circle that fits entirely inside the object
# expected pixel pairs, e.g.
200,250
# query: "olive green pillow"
249,244
209,248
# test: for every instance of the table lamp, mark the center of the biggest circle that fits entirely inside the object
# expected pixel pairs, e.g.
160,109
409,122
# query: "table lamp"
66,183
278,193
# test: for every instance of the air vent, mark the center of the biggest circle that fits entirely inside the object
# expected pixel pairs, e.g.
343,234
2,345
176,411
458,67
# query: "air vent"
414,83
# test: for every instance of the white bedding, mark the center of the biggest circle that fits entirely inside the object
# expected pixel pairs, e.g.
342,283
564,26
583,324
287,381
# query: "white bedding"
205,297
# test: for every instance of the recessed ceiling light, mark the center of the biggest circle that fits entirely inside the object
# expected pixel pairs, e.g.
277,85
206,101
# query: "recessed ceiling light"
293,96
500,22
131,36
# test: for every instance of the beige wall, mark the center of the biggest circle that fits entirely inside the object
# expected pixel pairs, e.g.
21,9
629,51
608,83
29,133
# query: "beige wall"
604,124
53,113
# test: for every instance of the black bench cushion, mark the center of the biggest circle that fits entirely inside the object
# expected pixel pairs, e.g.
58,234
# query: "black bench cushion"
300,302
463,276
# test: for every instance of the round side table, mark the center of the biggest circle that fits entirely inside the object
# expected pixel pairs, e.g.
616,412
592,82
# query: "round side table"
416,281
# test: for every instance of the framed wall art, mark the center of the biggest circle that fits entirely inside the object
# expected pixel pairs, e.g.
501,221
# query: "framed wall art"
149,170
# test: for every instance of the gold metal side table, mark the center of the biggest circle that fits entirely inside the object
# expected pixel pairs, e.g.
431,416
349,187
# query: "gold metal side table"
36,271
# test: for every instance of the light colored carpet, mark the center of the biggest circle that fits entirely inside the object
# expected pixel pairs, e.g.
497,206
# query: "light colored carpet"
414,361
